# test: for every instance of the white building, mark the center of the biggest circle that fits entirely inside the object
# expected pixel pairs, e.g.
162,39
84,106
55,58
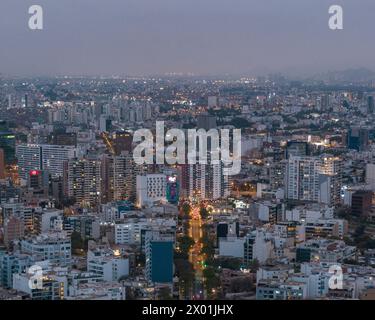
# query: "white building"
130,231
54,247
108,265
48,220
309,213
99,291
277,272
29,158
54,287
231,247
315,179
43,157
151,188
206,181
54,156
258,247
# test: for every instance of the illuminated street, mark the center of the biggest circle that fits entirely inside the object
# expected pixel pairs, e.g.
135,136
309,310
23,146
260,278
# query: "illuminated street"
108,142
195,256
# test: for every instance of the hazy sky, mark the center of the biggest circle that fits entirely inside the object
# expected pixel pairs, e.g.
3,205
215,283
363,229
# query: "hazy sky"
133,37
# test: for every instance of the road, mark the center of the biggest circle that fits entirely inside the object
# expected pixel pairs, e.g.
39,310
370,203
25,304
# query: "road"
108,142
195,255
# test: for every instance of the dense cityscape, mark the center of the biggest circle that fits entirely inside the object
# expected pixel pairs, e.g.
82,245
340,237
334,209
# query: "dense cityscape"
81,220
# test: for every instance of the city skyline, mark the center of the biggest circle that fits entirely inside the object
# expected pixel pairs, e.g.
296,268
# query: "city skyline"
201,151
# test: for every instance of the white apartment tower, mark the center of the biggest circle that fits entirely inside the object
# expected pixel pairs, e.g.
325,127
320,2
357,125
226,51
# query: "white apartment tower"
43,157
315,179
207,181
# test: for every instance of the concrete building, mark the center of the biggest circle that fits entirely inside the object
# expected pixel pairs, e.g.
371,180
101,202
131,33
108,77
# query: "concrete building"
109,265
151,188
14,228
159,259
53,288
316,179
43,157
83,181
231,247
54,247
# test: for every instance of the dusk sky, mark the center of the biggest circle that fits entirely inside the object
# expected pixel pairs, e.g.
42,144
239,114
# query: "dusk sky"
142,37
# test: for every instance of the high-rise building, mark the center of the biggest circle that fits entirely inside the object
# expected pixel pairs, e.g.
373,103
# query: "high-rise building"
358,139
8,144
159,259
204,181
63,138
316,179
10,104
83,181
361,202
104,123
119,177
43,157
277,174
38,179
257,247
122,141
208,182
29,158
53,158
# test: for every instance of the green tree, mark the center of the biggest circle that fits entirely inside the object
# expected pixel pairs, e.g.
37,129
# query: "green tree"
254,265
185,244
165,294
203,212
211,279
185,273
228,263
186,209
243,284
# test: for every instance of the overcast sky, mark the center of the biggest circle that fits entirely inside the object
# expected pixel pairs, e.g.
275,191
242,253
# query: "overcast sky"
135,37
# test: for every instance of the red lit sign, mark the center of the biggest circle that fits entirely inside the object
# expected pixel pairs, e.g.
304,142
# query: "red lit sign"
34,173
